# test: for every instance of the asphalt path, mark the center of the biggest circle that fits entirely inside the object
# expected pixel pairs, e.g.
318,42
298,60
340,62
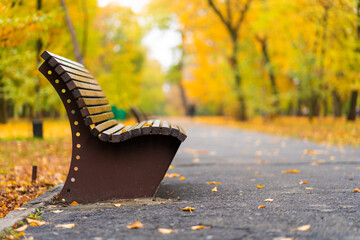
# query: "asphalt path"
325,208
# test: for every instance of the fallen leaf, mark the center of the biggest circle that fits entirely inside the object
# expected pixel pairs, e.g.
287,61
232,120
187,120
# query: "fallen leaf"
260,186
135,225
34,222
358,168
304,228
165,230
214,189
65,226
356,190
258,153
57,211
291,171
197,227
20,209
309,188
213,183
74,203
21,229
117,204
172,167
182,178
188,209
268,200
261,206
196,160
172,175
303,182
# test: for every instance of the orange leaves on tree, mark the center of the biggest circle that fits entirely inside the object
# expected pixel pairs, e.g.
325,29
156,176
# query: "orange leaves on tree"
290,171
135,225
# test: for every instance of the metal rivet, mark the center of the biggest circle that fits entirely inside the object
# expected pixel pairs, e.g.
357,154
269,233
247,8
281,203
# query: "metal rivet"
78,134
57,81
49,72
72,111
72,179
77,157
76,123
68,100
76,168
78,145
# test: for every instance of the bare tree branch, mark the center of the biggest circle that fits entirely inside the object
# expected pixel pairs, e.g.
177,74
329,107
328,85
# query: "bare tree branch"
243,14
220,15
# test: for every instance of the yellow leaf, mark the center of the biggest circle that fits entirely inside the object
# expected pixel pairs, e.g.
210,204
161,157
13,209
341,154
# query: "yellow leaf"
117,204
291,171
304,228
261,206
214,189
34,222
172,167
65,226
21,229
135,225
57,211
188,209
182,178
268,200
260,186
213,183
74,203
197,227
165,230
356,190
308,188
172,175
303,182
20,209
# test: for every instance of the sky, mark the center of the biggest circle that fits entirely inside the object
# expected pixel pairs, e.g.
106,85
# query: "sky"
161,43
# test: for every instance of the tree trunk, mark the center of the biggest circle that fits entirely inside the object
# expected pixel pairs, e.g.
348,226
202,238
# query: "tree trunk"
3,112
79,57
352,111
180,83
336,101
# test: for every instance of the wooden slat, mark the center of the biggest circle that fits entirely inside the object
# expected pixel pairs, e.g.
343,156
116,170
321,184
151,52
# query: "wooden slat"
46,55
76,84
103,126
174,131
83,102
53,62
95,110
98,118
182,135
121,135
69,76
146,128
61,69
135,130
107,134
155,128
164,128
87,93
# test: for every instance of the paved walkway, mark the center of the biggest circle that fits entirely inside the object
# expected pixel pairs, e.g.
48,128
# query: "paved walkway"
240,161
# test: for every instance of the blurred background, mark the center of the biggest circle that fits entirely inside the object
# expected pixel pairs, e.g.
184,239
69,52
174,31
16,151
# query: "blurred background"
238,58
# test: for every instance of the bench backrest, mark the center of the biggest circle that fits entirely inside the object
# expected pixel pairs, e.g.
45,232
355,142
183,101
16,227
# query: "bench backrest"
93,104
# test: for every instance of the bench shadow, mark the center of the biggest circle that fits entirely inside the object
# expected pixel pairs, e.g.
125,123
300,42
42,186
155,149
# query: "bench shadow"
180,191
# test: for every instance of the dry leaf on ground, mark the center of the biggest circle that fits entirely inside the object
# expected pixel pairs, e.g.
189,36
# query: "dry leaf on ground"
197,227
57,211
117,204
291,171
74,203
268,200
303,182
172,175
260,186
66,226
210,183
34,222
135,225
165,230
304,228
21,229
188,209
214,189
20,209
261,206
356,190
182,178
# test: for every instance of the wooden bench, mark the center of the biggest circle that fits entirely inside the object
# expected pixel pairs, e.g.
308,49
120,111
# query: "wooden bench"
109,160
